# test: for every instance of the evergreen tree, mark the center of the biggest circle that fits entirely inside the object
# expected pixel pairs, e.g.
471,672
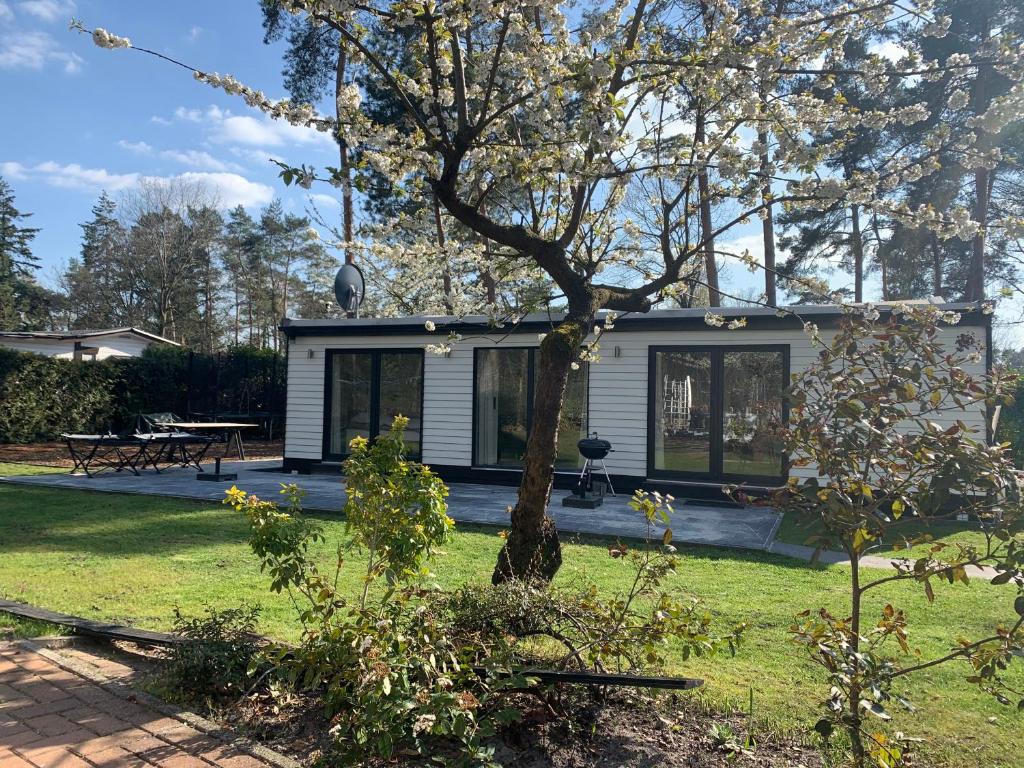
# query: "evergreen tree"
22,306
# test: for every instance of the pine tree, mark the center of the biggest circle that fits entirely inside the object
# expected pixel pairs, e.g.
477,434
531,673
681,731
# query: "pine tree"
21,307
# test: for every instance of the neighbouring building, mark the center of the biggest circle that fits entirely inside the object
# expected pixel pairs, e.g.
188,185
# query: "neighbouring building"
83,345
682,402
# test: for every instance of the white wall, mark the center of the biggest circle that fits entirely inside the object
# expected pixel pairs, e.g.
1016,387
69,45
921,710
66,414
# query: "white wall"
618,388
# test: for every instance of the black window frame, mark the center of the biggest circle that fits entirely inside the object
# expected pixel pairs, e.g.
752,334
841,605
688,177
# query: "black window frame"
531,373
716,354
375,368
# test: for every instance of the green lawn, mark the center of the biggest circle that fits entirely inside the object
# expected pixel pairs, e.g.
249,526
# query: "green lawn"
796,529
132,559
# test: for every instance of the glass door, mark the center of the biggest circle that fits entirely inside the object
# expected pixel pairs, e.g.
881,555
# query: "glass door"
682,417
503,391
350,376
504,388
715,412
753,385
365,391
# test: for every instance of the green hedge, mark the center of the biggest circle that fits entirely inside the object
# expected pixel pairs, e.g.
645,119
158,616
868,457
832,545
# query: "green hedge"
41,397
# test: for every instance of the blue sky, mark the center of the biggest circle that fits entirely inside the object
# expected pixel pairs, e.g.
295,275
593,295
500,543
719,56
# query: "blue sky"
81,119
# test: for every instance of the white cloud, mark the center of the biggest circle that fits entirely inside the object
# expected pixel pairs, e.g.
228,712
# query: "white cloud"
265,132
48,10
888,50
159,120
325,201
231,189
74,176
34,50
195,158
6,14
13,170
192,158
249,131
194,33
137,147
261,157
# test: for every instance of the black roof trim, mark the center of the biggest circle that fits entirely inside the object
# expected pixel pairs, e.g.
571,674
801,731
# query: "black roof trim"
657,320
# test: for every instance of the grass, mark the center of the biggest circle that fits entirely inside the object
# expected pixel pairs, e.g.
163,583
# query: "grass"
796,529
132,559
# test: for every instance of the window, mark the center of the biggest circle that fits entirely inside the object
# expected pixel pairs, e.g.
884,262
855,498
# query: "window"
364,393
714,412
503,409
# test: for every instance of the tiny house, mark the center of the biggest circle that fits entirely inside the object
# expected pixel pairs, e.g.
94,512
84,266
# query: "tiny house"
682,402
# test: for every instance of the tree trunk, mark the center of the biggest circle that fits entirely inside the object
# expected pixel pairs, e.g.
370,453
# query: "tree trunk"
768,232
976,274
532,550
345,167
854,718
447,272
857,245
704,193
936,265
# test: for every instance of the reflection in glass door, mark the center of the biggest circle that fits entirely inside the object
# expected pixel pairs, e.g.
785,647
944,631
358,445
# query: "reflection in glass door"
365,391
503,393
350,376
753,385
400,381
715,412
682,418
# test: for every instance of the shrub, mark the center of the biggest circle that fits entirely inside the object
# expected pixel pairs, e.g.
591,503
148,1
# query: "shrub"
390,676
218,650
878,415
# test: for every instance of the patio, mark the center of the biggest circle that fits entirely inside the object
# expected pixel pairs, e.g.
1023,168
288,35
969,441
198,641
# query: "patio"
692,523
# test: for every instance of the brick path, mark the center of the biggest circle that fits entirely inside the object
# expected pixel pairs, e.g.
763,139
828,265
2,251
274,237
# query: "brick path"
53,718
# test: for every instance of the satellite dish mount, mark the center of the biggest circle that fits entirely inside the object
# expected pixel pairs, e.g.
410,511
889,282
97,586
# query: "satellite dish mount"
349,289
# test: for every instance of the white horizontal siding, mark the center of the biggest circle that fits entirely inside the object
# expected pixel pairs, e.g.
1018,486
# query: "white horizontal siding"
617,394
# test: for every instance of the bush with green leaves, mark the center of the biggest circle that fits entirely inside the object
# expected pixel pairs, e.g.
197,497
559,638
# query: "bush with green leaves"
216,654
390,676
879,416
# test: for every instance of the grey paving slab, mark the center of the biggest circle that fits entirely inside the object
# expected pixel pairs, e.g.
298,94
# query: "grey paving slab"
694,523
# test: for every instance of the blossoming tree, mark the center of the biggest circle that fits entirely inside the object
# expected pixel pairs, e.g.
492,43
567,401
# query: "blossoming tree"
538,123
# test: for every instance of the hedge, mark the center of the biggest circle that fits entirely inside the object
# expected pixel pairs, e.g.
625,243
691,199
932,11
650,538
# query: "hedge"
41,397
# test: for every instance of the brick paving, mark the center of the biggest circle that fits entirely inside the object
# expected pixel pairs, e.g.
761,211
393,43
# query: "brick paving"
51,717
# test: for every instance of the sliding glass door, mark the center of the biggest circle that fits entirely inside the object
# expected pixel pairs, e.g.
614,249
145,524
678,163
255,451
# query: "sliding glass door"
714,412
365,391
503,391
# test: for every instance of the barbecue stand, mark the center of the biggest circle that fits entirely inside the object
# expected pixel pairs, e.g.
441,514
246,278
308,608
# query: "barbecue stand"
589,494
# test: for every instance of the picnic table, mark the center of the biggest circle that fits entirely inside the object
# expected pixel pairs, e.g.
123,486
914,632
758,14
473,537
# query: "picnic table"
94,453
228,431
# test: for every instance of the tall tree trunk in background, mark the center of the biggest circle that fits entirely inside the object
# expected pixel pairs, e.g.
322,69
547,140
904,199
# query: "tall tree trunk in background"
446,274
767,224
345,167
883,257
532,546
975,289
704,193
936,253
857,245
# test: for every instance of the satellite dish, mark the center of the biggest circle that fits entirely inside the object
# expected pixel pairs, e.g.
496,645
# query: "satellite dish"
349,289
